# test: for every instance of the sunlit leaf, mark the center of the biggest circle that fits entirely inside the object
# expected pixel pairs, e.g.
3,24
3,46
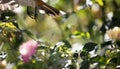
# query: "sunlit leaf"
81,34
100,2
7,25
87,35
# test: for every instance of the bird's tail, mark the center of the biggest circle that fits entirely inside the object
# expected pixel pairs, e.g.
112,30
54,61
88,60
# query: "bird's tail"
45,8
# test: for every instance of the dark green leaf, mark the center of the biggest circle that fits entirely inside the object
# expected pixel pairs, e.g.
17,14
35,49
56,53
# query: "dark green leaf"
10,14
39,65
67,44
118,58
62,46
75,56
31,12
84,55
71,67
98,59
118,43
85,65
89,46
113,60
43,47
106,43
95,59
26,66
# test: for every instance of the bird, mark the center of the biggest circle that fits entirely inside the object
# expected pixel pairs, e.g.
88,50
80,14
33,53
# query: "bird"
36,4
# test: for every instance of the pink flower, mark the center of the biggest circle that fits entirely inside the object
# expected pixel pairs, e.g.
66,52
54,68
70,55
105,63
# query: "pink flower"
28,49
114,33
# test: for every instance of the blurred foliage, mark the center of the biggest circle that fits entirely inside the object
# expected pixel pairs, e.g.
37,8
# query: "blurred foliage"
74,41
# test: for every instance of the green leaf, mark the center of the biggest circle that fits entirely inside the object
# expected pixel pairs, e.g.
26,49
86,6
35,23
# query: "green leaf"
39,65
62,46
98,59
118,56
43,47
84,55
89,46
113,60
71,67
104,44
75,56
85,64
12,56
25,66
67,44
95,59
100,2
